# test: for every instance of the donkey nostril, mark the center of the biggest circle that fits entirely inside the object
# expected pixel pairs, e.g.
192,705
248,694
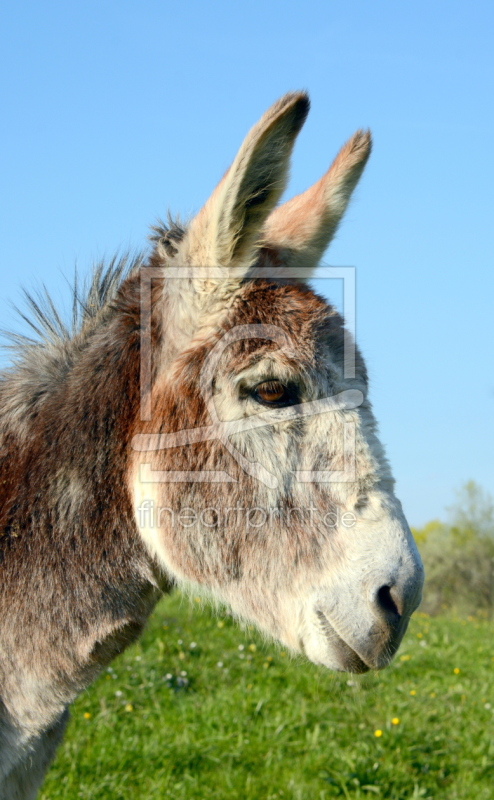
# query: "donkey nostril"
386,601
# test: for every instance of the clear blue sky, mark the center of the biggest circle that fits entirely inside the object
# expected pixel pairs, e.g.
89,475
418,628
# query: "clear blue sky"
113,112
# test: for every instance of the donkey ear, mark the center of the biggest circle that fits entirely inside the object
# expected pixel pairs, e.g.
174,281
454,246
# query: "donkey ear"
227,230
300,230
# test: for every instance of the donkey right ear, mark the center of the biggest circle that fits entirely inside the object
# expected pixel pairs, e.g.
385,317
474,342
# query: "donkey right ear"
299,231
226,231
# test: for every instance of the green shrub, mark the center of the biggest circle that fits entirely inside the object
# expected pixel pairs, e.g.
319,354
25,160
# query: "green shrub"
459,556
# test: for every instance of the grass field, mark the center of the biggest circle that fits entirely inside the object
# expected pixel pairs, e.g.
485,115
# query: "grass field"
202,709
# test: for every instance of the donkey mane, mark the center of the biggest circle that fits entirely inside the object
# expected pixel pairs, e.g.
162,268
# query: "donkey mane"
87,304
168,233
40,362
55,339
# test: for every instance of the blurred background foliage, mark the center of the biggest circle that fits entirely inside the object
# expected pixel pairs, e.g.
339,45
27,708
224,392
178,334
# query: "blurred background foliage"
458,556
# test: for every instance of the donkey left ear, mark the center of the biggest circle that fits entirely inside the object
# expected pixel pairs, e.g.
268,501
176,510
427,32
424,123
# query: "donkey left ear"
226,231
224,239
300,230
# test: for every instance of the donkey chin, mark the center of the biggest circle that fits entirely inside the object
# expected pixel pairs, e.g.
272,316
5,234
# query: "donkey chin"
359,652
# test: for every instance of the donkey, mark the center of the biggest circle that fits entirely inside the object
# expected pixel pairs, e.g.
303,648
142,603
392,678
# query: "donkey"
205,423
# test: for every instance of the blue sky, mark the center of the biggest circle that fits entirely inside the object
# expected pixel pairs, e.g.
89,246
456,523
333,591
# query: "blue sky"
113,112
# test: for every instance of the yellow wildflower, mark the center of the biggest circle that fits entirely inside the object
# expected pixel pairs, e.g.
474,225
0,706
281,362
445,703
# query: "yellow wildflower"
129,707
413,692
395,721
378,733
456,671
87,715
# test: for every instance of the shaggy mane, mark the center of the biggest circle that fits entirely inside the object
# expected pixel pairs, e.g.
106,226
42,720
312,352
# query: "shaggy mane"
41,361
89,303
172,230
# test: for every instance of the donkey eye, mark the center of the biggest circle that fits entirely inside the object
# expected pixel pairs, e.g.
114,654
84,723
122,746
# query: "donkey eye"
274,393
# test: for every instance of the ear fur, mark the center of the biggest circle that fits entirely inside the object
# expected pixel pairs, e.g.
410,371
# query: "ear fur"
301,229
228,234
223,240
226,231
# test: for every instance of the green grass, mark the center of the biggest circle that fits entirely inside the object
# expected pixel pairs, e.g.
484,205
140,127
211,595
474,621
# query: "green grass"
234,717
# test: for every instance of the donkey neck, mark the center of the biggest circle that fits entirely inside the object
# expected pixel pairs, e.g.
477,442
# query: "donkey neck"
66,516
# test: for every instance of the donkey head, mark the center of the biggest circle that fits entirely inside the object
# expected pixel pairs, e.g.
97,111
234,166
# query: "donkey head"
257,472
